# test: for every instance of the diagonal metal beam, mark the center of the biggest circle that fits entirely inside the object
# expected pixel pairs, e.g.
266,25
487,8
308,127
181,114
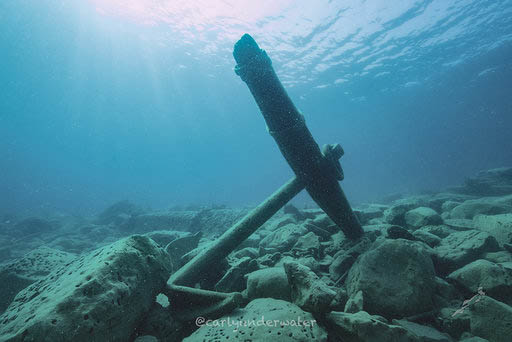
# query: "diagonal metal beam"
318,172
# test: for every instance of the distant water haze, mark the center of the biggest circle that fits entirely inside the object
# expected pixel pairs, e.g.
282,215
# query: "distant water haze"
105,100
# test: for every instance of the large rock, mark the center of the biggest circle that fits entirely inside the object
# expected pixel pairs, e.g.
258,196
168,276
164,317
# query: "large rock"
494,278
363,327
422,216
307,290
499,226
485,206
461,248
24,271
395,270
268,283
491,319
100,296
262,320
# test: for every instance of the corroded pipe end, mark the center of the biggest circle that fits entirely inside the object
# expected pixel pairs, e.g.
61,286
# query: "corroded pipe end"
245,49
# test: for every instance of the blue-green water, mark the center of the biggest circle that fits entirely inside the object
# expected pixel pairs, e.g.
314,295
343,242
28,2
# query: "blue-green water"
109,100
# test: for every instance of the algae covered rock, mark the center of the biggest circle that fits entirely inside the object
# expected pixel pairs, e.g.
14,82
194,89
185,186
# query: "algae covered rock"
100,296
263,319
397,279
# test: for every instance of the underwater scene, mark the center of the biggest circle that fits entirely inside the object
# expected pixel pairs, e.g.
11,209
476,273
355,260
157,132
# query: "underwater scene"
273,170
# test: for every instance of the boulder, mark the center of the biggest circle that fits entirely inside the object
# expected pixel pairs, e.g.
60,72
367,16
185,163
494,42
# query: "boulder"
461,248
363,327
485,206
499,226
491,319
100,296
426,237
262,319
422,216
494,278
307,290
395,270
34,266
268,283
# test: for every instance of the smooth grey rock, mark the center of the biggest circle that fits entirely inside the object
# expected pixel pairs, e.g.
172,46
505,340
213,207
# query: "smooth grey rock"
422,216
395,270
